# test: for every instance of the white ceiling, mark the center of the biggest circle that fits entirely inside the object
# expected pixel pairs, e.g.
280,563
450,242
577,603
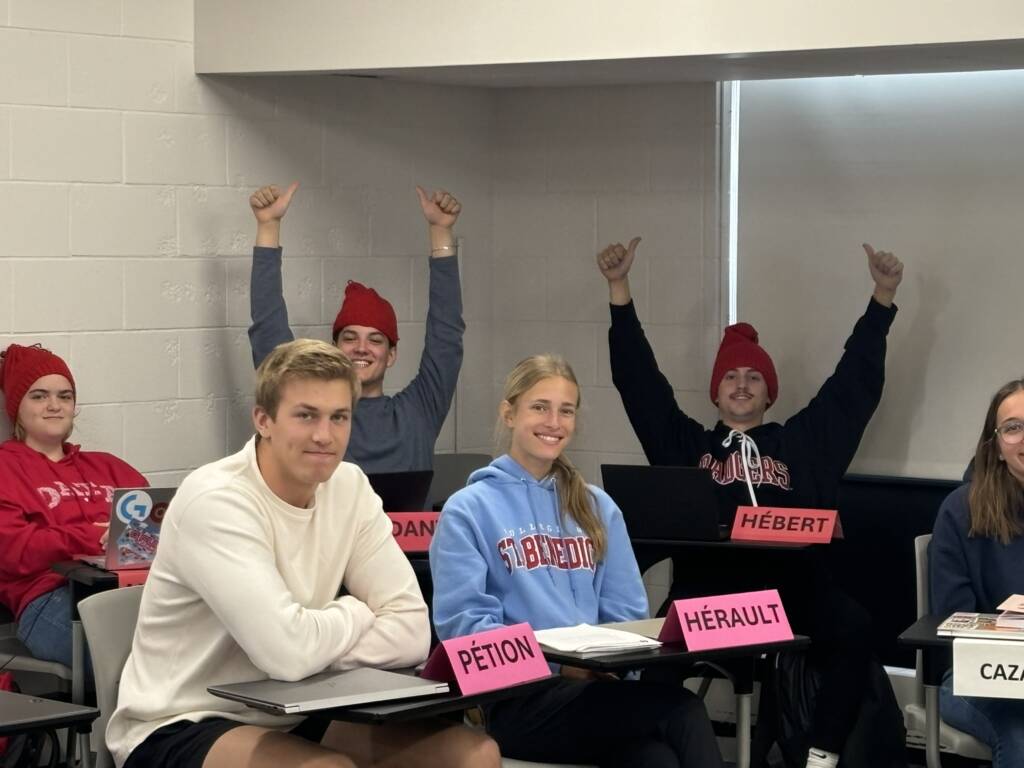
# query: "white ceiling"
958,57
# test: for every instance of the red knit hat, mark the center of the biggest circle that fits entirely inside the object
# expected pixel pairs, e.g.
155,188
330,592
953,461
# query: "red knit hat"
24,366
364,306
739,349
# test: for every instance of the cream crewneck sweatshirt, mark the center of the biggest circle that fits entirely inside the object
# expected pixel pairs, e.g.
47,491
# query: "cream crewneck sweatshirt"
244,588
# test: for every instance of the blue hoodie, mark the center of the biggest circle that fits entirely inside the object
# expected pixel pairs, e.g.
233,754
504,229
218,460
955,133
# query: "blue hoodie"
503,554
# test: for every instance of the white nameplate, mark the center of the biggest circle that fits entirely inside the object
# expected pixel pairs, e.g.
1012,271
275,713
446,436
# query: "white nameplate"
992,668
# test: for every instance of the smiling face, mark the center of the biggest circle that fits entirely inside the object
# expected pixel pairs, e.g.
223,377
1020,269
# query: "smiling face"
742,398
303,443
1011,413
46,413
371,354
542,422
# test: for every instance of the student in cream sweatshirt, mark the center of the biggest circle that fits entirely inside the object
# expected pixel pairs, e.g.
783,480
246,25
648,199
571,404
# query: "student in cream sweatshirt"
254,550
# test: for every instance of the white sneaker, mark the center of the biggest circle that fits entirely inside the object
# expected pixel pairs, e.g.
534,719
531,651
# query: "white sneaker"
819,758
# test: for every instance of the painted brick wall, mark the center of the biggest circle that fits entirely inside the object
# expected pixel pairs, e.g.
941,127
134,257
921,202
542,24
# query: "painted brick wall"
125,231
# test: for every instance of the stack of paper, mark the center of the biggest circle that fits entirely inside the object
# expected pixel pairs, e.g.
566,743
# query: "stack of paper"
588,639
1012,616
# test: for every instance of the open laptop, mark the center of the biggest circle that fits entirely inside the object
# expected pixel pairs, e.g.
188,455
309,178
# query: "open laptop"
666,503
328,690
135,518
402,491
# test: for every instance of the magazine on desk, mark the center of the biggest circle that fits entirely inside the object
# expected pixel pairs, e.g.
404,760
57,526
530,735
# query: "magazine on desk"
981,625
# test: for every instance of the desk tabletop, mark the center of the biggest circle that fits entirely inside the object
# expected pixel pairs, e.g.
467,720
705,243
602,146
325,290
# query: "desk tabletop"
20,713
416,709
668,653
724,544
921,634
83,573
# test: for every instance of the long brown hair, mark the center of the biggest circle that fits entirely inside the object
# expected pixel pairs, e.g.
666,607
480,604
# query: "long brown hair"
575,499
996,497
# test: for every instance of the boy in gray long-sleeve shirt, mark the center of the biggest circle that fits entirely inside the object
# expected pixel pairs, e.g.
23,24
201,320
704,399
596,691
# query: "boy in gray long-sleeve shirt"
389,433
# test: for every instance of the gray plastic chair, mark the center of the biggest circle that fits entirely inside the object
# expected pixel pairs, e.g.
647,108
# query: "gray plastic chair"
923,713
109,619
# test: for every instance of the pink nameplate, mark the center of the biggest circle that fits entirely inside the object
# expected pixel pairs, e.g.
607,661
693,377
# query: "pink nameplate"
486,661
413,530
787,524
723,621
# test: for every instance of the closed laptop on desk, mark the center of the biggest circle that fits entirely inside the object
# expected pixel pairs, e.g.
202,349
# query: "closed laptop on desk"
666,503
329,690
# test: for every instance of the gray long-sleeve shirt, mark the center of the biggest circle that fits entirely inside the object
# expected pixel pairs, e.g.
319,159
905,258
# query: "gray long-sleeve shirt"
389,433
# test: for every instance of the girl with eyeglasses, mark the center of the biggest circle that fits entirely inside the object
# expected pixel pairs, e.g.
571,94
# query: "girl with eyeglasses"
975,558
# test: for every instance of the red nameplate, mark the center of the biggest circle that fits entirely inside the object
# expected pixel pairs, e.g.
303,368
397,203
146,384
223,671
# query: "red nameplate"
131,577
486,661
413,530
788,524
724,621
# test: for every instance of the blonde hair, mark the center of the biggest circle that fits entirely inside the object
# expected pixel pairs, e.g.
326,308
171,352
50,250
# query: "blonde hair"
575,499
996,498
301,359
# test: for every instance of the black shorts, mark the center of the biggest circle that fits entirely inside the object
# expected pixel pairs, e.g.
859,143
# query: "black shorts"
185,744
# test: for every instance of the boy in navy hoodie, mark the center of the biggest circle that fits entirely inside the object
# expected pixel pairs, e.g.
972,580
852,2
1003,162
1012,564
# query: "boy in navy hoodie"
795,464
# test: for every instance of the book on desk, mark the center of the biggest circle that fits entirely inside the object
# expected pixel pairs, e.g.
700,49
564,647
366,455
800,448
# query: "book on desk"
979,625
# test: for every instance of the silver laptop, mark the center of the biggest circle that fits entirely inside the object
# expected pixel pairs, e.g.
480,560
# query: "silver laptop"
136,515
329,690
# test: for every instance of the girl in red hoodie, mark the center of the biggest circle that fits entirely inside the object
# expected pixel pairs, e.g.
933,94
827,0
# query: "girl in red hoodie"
54,498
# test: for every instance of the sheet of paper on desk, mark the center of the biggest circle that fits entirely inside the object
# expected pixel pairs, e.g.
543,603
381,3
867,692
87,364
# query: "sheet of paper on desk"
585,638
1012,612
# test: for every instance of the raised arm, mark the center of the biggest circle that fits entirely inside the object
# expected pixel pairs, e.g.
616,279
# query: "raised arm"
434,384
668,435
266,295
835,419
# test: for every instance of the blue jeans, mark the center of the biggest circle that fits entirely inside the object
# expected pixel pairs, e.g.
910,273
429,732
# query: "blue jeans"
997,722
45,629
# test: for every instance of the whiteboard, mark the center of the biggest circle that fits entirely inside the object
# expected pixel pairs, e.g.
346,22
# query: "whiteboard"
928,166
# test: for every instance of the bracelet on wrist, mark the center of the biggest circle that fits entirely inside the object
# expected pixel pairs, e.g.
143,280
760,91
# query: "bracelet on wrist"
444,249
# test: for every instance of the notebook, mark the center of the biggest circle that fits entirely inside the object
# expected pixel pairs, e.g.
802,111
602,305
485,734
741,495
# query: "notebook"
402,491
666,503
328,690
135,518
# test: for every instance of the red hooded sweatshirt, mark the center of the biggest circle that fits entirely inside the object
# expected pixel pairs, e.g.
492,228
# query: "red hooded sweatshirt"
47,511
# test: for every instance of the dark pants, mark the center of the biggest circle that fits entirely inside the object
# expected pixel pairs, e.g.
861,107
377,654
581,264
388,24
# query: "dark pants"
839,628
609,723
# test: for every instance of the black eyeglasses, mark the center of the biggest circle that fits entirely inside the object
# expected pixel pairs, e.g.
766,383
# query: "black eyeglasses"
1011,433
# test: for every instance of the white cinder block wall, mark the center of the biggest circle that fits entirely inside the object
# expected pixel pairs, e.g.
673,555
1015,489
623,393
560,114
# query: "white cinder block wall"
125,231
576,169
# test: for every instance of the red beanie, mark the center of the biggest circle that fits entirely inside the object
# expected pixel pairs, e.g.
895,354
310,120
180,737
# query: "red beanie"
23,367
364,306
739,349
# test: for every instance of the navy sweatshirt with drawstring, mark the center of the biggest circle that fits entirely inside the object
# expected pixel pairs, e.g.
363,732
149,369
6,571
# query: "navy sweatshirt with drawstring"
801,460
798,463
